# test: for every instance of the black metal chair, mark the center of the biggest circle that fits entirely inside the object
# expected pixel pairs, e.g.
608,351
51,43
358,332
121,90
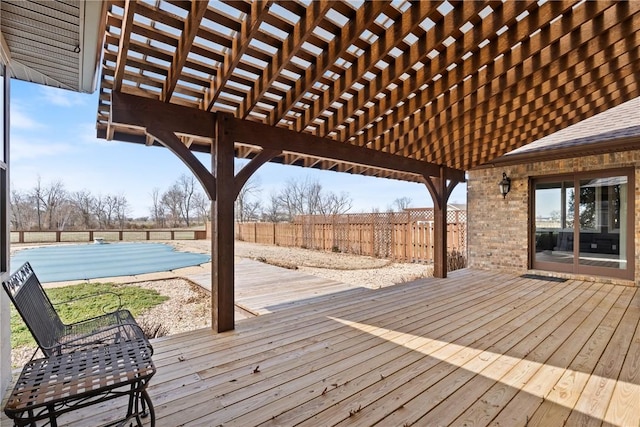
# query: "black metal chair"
55,337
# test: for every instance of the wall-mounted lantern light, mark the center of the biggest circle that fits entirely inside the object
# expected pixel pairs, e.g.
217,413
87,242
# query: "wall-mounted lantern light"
505,185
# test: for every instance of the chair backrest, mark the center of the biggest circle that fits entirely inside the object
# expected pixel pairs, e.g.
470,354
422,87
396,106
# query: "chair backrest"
35,307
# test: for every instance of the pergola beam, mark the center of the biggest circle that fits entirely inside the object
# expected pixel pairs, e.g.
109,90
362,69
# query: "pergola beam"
405,25
123,43
134,111
139,112
275,138
424,105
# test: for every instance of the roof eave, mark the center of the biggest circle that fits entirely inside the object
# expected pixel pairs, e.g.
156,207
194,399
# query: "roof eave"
92,19
627,143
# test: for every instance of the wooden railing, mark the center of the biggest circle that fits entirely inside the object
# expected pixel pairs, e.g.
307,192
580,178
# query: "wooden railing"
405,236
106,235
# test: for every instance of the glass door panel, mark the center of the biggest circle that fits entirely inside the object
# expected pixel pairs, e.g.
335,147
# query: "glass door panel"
603,222
554,224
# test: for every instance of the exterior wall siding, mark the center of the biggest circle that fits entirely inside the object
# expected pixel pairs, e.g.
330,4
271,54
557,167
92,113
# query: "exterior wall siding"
498,228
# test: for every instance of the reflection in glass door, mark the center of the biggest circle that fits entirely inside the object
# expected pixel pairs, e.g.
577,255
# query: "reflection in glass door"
603,222
582,225
554,222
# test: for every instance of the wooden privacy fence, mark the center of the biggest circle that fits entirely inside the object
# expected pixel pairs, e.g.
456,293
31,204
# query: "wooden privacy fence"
402,236
106,235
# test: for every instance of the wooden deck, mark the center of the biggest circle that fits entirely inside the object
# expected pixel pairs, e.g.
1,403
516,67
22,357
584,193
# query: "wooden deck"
262,288
476,349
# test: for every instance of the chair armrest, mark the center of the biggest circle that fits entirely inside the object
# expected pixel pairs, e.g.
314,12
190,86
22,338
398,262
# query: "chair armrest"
80,337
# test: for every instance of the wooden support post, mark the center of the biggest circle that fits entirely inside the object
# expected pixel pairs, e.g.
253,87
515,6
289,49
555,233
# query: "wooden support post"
407,239
222,245
440,192
440,237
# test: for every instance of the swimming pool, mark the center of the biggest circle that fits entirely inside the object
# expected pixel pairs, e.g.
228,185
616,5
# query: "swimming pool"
92,261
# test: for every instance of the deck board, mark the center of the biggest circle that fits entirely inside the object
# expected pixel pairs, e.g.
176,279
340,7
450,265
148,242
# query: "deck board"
475,349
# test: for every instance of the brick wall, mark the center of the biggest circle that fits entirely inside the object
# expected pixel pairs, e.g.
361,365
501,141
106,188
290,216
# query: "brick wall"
497,227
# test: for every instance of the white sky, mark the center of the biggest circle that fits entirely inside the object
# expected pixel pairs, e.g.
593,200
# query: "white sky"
53,136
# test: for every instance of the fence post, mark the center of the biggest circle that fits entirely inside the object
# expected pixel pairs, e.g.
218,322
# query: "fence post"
407,238
324,238
373,235
392,242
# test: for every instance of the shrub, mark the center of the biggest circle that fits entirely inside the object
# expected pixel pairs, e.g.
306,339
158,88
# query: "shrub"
153,330
456,260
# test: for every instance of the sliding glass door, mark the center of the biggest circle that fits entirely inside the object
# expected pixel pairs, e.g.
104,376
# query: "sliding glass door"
584,224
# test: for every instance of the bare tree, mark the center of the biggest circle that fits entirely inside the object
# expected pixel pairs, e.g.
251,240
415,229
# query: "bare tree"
98,210
121,210
47,201
172,201
22,210
308,198
38,199
402,203
273,211
187,185
247,207
292,199
334,204
84,202
157,210
55,197
106,208
202,206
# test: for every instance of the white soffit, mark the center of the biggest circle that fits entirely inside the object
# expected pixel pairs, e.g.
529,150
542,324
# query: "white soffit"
54,43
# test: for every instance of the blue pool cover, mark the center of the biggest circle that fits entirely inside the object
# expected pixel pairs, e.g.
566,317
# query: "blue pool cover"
91,261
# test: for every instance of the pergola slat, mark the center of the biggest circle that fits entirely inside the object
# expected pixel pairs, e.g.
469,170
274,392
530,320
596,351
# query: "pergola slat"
445,27
250,26
485,30
490,82
347,35
489,104
303,30
353,73
191,26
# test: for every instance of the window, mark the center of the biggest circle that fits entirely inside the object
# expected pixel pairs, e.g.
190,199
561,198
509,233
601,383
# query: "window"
584,224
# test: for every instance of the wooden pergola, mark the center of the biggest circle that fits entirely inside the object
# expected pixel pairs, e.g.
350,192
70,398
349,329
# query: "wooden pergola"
418,91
